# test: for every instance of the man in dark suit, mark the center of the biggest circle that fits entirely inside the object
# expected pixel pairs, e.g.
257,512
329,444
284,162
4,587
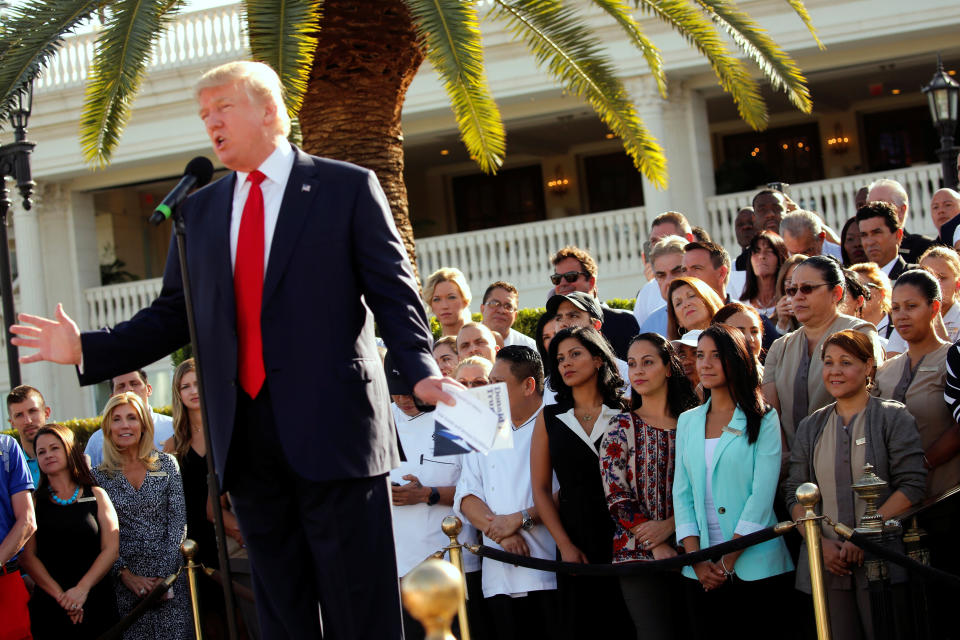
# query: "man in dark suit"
881,234
288,256
912,245
575,270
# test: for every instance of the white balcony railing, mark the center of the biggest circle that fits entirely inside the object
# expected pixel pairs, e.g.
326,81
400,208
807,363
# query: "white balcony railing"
197,37
520,253
834,200
118,302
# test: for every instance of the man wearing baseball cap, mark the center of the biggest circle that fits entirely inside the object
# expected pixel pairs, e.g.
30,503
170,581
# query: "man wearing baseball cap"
579,309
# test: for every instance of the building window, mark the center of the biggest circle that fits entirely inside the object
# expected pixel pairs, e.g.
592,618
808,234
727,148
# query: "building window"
900,138
783,154
512,196
612,182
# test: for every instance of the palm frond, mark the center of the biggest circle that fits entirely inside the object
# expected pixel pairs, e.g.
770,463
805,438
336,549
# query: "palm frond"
620,12
451,33
801,10
123,51
774,63
558,40
283,34
31,36
700,32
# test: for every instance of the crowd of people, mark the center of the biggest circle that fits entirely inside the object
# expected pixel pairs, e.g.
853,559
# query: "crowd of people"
637,436
693,420
101,526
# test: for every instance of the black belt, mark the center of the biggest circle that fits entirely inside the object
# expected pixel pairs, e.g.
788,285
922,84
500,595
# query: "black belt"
11,567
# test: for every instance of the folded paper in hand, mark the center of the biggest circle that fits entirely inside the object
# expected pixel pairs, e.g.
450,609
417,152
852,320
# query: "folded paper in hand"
480,421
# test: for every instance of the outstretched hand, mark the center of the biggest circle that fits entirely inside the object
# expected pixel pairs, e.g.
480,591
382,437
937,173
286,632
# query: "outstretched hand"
55,340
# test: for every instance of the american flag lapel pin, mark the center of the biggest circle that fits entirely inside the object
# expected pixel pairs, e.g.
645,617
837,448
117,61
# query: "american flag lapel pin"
305,188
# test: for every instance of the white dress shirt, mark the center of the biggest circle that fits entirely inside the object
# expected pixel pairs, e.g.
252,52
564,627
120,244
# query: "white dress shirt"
648,300
416,527
502,480
514,337
277,169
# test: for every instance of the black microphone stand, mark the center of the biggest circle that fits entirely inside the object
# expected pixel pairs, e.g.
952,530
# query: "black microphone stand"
213,485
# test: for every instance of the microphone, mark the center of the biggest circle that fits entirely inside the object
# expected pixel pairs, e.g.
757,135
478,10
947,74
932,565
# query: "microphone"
197,174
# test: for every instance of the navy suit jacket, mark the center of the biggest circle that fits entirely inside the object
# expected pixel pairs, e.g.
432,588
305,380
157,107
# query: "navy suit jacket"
335,257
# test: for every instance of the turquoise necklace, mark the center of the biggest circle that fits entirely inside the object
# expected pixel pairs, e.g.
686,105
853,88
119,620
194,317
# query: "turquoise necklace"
61,502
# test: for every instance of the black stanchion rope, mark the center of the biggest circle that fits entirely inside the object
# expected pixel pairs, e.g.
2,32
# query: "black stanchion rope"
117,630
929,573
633,568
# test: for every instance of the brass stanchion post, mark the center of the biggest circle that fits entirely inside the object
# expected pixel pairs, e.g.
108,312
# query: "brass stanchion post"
432,592
189,551
452,527
808,495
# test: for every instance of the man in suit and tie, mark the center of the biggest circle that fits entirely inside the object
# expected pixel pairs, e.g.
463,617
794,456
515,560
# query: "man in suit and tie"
912,245
288,256
881,236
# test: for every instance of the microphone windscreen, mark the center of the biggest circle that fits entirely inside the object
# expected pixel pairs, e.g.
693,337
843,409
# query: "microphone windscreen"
201,168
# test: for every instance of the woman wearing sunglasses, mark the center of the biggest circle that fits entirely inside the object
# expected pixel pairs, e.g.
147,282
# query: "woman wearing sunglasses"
792,373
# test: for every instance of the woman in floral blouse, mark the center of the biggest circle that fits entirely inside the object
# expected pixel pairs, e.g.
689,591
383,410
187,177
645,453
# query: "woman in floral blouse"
637,462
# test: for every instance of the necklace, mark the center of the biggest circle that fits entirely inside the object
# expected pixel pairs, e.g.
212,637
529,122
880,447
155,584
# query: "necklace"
73,498
587,417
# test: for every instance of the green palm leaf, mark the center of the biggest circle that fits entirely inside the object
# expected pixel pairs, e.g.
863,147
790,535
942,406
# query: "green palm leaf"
620,12
451,32
30,37
558,40
123,50
801,9
694,26
283,34
775,64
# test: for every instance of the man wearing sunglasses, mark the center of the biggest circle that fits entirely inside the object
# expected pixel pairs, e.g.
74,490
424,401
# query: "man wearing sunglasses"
575,270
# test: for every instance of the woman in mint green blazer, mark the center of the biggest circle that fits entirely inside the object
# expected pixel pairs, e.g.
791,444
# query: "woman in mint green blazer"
727,468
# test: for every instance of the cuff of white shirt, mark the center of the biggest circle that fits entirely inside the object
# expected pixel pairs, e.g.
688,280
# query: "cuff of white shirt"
745,528
687,530
80,366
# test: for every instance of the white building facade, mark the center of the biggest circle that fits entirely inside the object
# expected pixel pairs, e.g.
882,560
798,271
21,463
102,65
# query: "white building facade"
865,87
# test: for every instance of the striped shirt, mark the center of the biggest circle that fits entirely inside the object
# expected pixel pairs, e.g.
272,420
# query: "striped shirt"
951,387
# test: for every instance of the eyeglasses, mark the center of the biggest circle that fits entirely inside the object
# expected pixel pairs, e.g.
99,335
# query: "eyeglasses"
805,289
569,276
506,306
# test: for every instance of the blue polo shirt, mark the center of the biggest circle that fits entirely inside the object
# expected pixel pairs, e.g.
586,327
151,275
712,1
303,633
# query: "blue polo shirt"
14,477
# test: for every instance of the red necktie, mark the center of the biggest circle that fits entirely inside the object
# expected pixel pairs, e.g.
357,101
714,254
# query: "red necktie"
248,288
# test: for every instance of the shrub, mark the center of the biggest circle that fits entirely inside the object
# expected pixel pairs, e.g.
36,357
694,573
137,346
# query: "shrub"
526,322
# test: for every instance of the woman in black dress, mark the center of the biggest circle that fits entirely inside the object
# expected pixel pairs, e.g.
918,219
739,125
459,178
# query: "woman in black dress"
566,440
190,448
76,544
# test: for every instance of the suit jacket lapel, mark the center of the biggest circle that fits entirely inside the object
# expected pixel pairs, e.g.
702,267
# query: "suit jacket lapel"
302,189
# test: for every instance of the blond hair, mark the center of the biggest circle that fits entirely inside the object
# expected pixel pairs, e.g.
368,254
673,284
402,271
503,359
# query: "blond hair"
476,361
259,80
455,276
112,460
879,279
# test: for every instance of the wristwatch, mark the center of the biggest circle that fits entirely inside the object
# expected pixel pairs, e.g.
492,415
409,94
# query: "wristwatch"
434,496
527,523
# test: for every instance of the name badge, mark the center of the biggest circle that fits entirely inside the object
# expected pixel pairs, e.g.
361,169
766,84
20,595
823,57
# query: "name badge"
861,441
922,369
157,474
729,429
88,499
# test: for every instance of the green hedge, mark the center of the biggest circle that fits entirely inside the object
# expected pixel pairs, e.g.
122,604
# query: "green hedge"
526,322
83,428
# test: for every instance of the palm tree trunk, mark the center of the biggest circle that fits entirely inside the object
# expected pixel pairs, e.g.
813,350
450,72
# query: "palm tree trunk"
366,58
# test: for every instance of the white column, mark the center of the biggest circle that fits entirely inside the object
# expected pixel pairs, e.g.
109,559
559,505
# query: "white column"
57,259
680,125
30,283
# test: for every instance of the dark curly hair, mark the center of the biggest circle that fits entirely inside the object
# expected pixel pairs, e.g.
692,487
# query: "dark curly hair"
609,382
680,394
